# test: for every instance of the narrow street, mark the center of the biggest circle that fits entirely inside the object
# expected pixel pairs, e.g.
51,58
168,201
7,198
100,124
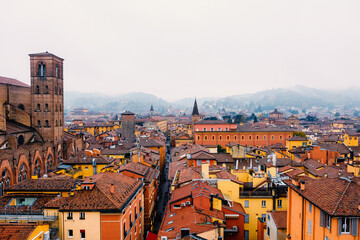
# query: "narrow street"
163,194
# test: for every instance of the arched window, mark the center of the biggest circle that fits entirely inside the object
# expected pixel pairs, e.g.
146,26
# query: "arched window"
24,176
60,107
280,137
264,137
38,107
42,70
20,140
227,137
235,137
60,123
21,106
39,123
56,90
205,138
47,123
257,137
220,137
60,91
56,123
46,107
47,89
19,178
37,90
250,137
56,108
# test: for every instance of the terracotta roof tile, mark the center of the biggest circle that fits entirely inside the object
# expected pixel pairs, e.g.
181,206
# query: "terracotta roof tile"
100,198
279,218
16,231
45,184
12,81
336,196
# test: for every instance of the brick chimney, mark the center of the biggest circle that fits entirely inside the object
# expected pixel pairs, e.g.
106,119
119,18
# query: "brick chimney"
302,185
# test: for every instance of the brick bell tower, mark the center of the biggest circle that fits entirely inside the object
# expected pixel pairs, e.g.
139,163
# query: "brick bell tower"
47,99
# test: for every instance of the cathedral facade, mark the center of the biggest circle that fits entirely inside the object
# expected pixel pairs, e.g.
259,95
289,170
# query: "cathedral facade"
32,138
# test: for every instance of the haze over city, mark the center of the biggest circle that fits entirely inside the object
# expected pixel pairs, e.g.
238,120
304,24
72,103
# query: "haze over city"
200,48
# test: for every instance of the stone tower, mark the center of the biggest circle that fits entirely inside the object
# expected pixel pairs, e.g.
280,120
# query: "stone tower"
47,99
195,116
128,126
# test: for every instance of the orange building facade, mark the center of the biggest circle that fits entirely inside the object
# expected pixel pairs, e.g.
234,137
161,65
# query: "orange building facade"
250,138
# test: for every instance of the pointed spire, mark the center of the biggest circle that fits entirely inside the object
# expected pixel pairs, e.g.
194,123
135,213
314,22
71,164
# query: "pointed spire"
195,109
151,108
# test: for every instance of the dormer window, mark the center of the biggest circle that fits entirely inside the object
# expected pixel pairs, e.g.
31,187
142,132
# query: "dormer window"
42,70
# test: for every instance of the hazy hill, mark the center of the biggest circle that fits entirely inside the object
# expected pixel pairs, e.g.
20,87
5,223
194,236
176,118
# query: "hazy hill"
298,97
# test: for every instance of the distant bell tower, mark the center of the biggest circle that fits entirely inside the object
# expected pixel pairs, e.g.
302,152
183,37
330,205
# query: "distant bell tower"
128,126
47,99
151,110
195,116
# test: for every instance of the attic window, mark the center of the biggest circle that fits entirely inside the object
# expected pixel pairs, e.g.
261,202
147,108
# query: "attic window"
170,222
173,214
169,229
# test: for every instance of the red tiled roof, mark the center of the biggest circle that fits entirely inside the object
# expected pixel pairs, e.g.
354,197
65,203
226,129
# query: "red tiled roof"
100,198
176,166
224,174
16,231
147,172
223,158
336,196
44,184
279,218
12,81
194,189
188,174
189,217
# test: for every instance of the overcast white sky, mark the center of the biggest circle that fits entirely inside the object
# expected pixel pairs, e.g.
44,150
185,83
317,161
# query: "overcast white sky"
186,48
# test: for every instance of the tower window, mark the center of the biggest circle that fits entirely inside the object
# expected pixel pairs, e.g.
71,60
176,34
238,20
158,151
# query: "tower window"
21,140
59,91
56,90
56,123
38,107
21,106
47,89
37,90
57,71
46,107
60,107
60,123
47,123
42,70
56,108
39,123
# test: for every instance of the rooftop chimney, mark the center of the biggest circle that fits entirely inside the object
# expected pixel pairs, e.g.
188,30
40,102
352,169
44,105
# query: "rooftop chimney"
112,188
302,185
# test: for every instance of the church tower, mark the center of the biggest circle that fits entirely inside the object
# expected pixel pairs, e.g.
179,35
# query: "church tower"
47,99
195,116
